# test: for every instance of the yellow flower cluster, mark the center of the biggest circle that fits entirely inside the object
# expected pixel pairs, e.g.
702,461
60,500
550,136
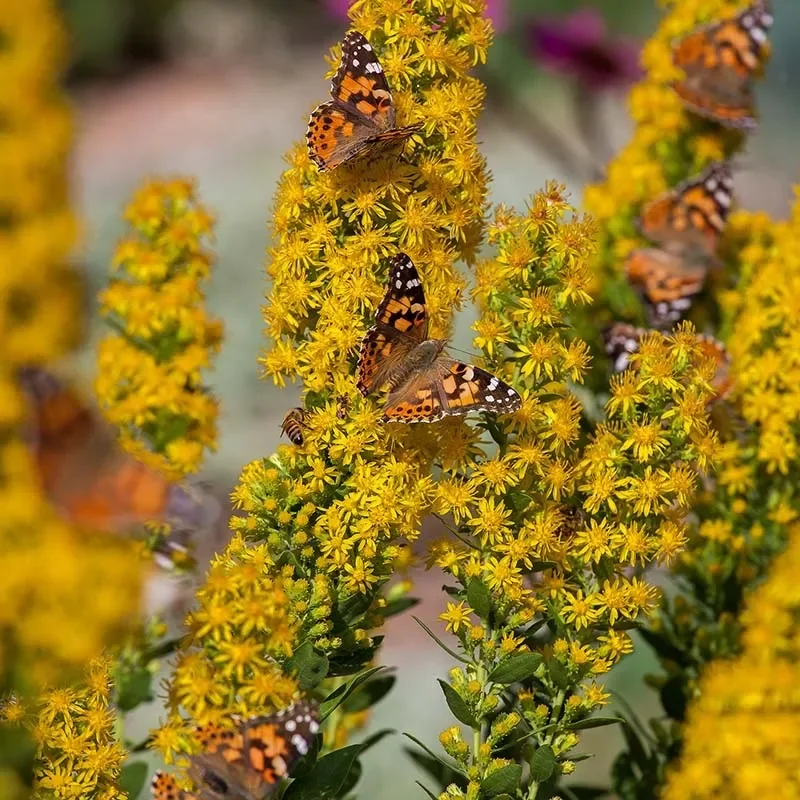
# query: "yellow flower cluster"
78,755
328,521
244,627
738,743
557,524
668,143
64,594
335,230
149,381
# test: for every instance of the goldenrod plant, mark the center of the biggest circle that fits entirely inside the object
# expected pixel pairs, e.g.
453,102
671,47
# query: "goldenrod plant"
552,514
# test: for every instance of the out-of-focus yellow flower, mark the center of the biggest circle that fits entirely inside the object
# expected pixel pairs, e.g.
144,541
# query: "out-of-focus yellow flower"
735,742
150,370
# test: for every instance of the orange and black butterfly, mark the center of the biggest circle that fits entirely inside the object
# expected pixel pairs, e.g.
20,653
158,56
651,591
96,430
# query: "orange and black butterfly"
360,118
87,476
248,762
684,224
622,340
719,62
424,384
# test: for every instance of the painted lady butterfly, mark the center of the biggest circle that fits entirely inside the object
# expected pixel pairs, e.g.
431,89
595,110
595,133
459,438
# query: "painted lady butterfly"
685,224
719,61
622,341
88,477
247,762
424,384
361,117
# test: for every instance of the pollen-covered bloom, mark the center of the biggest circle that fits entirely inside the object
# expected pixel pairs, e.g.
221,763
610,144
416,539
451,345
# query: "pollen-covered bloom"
78,753
735,742
150,369
556,517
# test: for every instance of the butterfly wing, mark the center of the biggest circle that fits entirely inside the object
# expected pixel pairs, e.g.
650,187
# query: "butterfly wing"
692,215
450,388
361,114
621,341
718,62
88,477
165,787
400,324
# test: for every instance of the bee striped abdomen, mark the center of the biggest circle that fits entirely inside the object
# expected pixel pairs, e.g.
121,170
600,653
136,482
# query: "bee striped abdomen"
293,424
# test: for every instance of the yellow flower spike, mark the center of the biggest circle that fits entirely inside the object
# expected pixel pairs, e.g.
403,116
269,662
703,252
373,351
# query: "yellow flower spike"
150,370
733,743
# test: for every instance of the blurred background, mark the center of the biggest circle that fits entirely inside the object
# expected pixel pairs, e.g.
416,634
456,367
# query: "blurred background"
220,89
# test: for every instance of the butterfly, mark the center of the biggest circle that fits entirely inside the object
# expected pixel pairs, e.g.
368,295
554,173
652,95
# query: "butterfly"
293,424
87,476
424,384
685,224
361,117
719,61
622,341
246,762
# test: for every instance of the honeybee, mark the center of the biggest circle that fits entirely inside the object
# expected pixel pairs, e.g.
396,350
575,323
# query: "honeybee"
293,424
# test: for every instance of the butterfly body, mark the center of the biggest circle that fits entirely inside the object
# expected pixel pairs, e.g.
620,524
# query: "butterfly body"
247,762
361,117
719,61
684,224
424,383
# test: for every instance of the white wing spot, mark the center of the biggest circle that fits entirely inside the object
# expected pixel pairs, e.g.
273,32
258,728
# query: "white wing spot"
357,63
367,47
373,66
723,198
489,398
291,725
758,35
313,726
747,21
300,744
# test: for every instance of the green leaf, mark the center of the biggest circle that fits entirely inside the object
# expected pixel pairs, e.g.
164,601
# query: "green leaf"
376,737
398,606
479,599
369,694
515,668
326,779
664,648
674,699
439,641
426,790
133,689
543,763
341,693
457,705
558,673
17,752
636,748
504,781
132,778
443,771
311,667
355,607
594,722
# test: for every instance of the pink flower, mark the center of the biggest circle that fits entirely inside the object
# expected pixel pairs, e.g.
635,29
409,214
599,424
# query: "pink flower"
579,45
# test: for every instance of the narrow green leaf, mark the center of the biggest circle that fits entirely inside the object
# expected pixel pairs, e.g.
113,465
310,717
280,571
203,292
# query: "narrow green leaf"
132,778
479,599
426,790
664,648
311,667
369,693
326,779
515,668
341,693
459,708
452,767
504,781
376,737
543,764
594,722
133,689
439,641
398,606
